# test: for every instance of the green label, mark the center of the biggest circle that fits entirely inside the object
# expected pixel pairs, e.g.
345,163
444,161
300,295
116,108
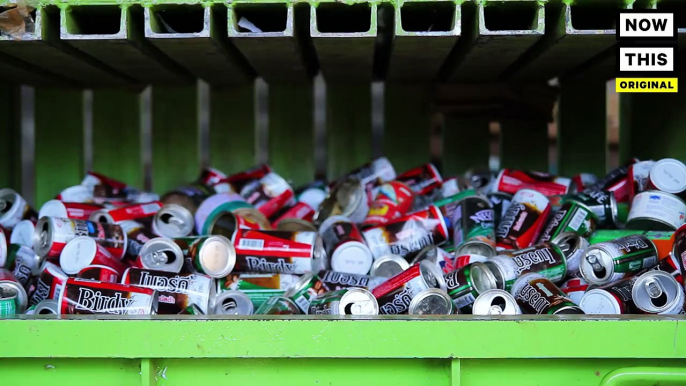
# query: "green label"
8,306
260,296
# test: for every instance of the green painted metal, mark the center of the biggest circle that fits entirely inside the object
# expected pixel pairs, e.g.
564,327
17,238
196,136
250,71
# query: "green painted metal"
232,128
349,127
81,371
10,154
175,159
291,130
59,141
466,144
116,135
524,144
407,125
645,375
582,131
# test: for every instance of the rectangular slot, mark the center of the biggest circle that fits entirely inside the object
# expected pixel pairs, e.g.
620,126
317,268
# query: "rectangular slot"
265,17
676,6
594,15
177,19
342,18
511,15
94,20
428,16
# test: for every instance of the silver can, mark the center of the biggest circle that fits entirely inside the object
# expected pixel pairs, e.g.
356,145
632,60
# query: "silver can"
495,302
610,261
173,220
278,305
388,266
658,292
347,301
232,303
348,198
432,301
10,285
161,254
46,307
573,246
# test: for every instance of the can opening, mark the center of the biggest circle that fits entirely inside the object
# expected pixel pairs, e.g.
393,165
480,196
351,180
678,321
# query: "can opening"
94,20
343,18
676,6
265,17
595,15
499,302
348,309
45,229
164,257
511,15
599,270
166,19
658,296
225,225
428,16
229,305
46,311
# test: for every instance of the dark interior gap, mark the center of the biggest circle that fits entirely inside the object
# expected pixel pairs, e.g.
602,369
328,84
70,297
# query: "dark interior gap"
343,18
600,15
676,6
427,16
94,20
266,17
510,15
183,19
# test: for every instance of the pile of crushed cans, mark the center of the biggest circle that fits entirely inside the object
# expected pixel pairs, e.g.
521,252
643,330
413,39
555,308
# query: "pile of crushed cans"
372,242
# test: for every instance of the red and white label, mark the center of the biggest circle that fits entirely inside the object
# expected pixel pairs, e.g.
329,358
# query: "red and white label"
510,181
464,260
271,243
397,281
394,199
80,211
300,211
133,212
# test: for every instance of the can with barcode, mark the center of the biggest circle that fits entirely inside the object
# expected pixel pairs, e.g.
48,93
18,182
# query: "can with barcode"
495,302
346,301
95,297
49,284
345,246
74,210
268,194
638,176
575,288
432,301
10,285
338,280
393,199
23,233
612,260
511,181
407,234
279,252
232,303
160,254
610,299
347,198
14,208
278,305
127,213
53,234
465,284
537,295
473,225
26,263
395,294
99,273
657,292
213,256
656,210
524,220
176,290
388,266
83,251
572,217
305,290
422,179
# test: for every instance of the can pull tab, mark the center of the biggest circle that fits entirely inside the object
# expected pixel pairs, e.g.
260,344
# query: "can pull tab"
595,263
158,257
495,310
654,288
44,239
175,221
3,205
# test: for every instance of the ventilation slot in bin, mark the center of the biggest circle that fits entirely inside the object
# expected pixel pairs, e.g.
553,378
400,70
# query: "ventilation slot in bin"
595,15
260,18
428,16
93,20
178,19
342,18
511,15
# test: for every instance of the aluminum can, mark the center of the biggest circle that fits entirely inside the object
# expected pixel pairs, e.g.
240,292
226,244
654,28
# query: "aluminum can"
610,299
511,181
523,221
638,176
443,260
173,220
305,290
213,256
600,202
613,260
422,179
127,213
395,295
189,197
464,260
500,203
93,297
53,234
100,273
394,199
583,181
466,284
345,246
616,182
657,292
278,305
10,286
8,301
537,295
175,291
338,280
679,247
257,286
655,210
347,198
388,266
73,210
213,206
26,263
238,180
575,288
268,194
346,301
49,285
473,224
14,208
23,233
233,303
668,175
160,254
83,251
46,307
572,217
495,302
663,240
278,252
432,301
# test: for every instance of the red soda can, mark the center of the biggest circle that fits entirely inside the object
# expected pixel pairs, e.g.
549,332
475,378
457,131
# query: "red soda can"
395,294
278,252
638,176
464,260
83,251
372,174
126,213
617,182
94,297
54,233
268,194
94,178
345,246
305,208
393,200
49,285
407,234
583,181
523,221
215,179
73,210
99,273
575,288
422,179
239,180
511,181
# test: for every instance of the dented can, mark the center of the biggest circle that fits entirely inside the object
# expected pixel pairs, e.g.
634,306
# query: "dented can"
345,246
373,174
467,283
278,252
573,246
616,182
214,206
238,180
93,297
524,220
53,234
304,209
49,285
612,260
127,213
395,295
305,290
500,203
388,266
175,291
347,198
346,301
432,301
14,208
638,176
572,217
73,210
537,295
421,179
268,194
26,263
442,259
394,199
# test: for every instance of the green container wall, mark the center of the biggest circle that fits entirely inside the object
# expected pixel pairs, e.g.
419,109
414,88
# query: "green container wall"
159,136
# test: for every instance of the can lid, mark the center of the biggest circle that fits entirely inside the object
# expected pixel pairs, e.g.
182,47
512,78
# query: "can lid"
388,266
358,301
352,257
233,303
495,302
54,208
669,175
162,254
598,301
296,225
433,277
23,233
217,256
47,307
483,278
568,242
432,301
78,254
173,220
596,265
42,237
657,292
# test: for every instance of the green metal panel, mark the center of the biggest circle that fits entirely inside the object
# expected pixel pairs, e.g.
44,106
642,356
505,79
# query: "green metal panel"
59,141
116,135
524,144
232,128
175,159
10,156
74,372
291,130
625,126
407,125
348,127
465,144
582,131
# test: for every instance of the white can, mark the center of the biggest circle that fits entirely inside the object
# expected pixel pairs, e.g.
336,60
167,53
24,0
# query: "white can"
345,246
656,210
668,175
23,233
